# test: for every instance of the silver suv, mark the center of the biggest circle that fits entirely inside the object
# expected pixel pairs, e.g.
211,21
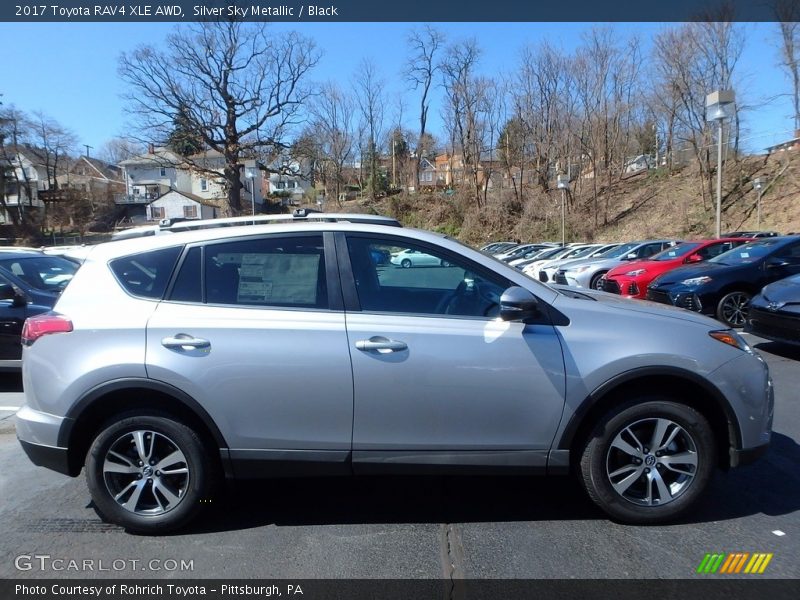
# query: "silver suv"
173,361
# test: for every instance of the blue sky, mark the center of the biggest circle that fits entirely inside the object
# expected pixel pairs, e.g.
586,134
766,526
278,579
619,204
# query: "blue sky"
69,70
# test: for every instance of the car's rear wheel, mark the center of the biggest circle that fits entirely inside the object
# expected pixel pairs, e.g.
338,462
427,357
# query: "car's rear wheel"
406,263
149,473
648,461
732,309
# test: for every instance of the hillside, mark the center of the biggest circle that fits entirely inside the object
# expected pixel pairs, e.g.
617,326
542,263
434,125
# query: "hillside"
647,205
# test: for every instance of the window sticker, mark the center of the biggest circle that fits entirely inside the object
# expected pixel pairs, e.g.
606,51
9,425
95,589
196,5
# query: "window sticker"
278,278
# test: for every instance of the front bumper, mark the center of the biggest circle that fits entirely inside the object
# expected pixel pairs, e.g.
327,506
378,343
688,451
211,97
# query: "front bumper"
773,325
682,297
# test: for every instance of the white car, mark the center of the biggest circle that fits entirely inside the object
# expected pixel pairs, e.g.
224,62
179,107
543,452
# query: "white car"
415,258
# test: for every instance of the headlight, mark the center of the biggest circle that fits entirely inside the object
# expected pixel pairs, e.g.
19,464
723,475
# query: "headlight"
730,337
580,269
636,273
696,280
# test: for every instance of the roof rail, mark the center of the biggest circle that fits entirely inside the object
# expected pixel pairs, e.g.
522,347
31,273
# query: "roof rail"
299,215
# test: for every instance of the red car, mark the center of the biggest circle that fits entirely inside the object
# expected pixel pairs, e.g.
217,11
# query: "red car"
631,279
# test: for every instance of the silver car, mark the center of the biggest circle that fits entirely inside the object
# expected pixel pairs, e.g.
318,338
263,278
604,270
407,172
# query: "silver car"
174,361
589,273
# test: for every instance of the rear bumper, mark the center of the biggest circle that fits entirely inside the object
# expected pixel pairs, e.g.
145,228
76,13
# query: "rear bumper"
50,457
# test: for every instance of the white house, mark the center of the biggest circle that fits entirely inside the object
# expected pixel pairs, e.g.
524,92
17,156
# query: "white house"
151,175
25,175
287,178
181,205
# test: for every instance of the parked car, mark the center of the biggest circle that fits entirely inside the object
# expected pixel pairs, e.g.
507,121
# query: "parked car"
30,282
414,258
192,360
499,247
751,234
774,314
532,268
589,272
519,251
548,270
533,255
631,280
723,285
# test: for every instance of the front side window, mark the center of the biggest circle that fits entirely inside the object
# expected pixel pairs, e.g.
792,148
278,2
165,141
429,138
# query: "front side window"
399,277
281,271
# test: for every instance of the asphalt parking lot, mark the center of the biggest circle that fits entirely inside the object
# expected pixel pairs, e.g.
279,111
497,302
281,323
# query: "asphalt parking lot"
411,527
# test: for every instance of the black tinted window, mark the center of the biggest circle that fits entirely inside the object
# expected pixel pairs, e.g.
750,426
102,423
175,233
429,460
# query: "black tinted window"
146,274
188,285
279,271
400,277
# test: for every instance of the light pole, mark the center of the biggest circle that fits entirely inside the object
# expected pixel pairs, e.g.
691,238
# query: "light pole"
251,175
759,183
716,103
562,182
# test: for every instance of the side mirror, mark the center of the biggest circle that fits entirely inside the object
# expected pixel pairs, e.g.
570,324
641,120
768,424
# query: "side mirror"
694,258
631,256
777,263
518,304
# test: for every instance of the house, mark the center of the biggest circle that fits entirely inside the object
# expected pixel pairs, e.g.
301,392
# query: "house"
91,178
181,205
159,171
287,179
24,175
787,146
428,175
638,164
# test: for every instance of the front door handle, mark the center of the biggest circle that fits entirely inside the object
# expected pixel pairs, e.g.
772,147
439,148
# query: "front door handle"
185,341
381,344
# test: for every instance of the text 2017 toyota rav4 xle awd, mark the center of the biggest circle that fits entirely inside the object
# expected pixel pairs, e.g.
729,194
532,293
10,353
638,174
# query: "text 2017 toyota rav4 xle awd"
172,361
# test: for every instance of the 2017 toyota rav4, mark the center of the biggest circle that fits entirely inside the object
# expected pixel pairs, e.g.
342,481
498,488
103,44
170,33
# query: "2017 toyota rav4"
171,361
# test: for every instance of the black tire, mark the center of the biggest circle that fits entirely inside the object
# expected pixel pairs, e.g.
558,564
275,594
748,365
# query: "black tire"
603,464
405,263
595,281
171,444
732,308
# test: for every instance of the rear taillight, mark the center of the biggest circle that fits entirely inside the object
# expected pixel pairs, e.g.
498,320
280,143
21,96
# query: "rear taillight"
44,324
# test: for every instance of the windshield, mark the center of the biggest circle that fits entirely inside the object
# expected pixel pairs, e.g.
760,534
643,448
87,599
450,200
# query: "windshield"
43,273
583,252
746,254
621,250
675,252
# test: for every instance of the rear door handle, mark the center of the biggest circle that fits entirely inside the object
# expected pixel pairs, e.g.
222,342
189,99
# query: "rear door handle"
381,344
185,341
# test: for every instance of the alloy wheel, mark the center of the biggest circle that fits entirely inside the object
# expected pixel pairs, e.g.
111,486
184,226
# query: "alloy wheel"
652,462
733,308
145,472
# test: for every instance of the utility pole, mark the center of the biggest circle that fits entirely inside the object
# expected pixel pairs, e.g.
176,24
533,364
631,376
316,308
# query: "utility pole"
88,147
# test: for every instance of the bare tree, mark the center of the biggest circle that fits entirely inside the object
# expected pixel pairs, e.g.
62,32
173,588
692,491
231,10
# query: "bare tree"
15,129
787,13
333,111
117,149
235,86
371,99
55,144
421,70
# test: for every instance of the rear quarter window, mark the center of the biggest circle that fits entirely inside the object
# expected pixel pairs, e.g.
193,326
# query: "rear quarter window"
146,274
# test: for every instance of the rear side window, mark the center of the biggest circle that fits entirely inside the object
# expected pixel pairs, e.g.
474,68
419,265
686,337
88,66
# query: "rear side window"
146,274
277,271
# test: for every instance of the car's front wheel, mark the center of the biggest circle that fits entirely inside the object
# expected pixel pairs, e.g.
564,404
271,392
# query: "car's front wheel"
149,473
648,461
732,309
597,281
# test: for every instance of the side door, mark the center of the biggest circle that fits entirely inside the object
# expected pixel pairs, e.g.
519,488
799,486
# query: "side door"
439,380
253,329
783,263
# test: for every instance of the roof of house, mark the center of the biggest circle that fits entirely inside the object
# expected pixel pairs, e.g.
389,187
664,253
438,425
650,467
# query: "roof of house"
159,157
190,196
98,168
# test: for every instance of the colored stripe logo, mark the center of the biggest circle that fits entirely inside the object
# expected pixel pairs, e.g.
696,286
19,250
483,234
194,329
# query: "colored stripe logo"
735,562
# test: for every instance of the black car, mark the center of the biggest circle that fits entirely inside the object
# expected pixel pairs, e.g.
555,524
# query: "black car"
774,314
751,234
722,286
30,283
